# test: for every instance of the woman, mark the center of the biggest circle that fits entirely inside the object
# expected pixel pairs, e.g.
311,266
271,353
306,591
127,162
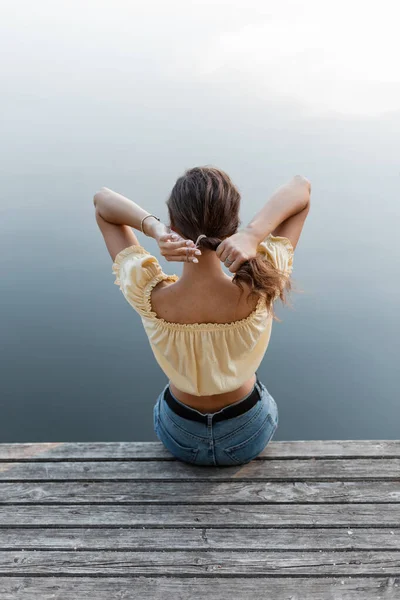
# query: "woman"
208,331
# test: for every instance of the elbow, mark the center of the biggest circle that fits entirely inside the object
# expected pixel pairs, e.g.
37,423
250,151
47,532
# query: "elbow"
99,197
303,182
307,197
305,187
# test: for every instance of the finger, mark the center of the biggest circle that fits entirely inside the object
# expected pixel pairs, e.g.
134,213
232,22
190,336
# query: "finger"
187,254
229,251
171,246
181,258
171,236
220,249
167,237
236,264
186,251
225,254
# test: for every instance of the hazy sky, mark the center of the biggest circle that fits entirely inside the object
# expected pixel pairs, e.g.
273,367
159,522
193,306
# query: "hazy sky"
330,56
80,77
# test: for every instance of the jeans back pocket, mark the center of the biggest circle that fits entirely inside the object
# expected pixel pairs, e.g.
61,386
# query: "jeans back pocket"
255,442
173,445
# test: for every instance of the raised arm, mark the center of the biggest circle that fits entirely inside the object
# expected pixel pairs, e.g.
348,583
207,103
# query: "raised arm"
284,214
116,215
280,214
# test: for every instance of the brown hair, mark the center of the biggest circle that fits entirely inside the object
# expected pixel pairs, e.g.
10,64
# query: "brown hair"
204,200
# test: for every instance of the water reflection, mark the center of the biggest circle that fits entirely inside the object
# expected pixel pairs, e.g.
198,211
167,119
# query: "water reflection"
80,112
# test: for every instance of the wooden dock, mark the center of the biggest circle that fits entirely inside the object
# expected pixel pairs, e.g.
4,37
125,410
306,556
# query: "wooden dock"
307,520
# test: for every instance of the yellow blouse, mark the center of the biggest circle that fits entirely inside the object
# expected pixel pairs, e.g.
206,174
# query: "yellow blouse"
200,358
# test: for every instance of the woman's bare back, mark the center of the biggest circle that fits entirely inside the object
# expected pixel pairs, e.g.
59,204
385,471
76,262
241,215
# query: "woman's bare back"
211,301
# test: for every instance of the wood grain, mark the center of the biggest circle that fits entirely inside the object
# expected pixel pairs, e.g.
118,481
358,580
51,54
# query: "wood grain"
156,451
198,492
201,563
203,515
215,588
340,469
126,538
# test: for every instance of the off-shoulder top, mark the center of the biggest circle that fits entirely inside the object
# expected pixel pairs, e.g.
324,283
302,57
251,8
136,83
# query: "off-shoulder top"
200,358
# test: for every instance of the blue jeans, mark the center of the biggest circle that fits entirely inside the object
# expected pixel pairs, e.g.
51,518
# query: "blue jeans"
233,441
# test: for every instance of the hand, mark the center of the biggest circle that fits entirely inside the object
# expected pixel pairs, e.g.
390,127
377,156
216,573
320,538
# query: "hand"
174,248
237,248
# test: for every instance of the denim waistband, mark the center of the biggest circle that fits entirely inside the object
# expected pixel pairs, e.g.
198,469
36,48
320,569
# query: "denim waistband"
230,411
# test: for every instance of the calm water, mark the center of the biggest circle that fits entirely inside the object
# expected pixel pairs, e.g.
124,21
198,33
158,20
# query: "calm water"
75,362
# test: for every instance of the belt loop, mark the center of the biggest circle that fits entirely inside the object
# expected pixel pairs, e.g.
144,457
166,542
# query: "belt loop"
258,385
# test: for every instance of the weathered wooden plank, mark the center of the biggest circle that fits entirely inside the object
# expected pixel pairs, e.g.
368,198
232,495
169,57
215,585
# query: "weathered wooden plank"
89,511
176,588
198,492
200,563
156,451
207,538
293,470
203,515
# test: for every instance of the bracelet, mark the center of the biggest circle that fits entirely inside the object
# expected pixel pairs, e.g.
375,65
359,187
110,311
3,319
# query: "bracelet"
141,223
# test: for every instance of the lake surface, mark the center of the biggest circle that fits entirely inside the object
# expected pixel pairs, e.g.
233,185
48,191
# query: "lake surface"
75,362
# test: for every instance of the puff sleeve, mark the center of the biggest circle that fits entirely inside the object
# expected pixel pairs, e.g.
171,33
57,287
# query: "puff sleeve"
279,251
136,273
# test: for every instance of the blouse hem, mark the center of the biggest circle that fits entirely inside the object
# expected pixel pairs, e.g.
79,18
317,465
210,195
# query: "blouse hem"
133,249
195,326
288,245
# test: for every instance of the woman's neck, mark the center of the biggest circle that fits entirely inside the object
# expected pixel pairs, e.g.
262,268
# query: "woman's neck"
209,266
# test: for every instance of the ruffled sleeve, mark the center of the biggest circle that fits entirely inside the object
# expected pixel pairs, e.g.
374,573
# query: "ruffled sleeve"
279,251
136,273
